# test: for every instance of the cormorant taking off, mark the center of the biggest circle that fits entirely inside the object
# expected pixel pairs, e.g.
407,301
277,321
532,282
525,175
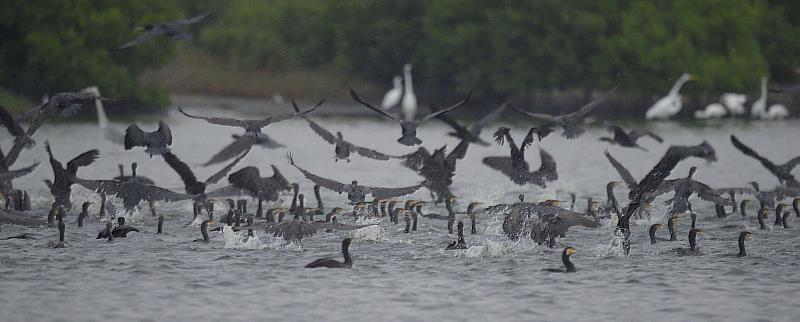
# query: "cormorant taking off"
355,192
515,166
332,263
194,187
342,148
155,143
63,180
249,179
782,171
685,188
165,29
409,126
252,135
437,169
571,123
653,180
132,191
13,127
473,134
628,139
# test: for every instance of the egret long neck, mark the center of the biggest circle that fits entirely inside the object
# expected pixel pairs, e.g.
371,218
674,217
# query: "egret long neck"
677,87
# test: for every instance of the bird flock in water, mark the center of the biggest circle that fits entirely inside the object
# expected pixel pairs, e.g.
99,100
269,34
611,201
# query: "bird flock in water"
543,222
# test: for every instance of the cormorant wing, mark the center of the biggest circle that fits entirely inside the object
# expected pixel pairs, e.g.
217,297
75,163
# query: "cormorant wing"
377,110
618,131
323,182
54,163
183,170
623,173
706,193
543,117
122,190
322,132
637,133
193,20
386,193
486,120
82,160
753,154
11,124
502,164
738,190
164,132
368,153
459,152
242,143
666,187
247,178
277,118
586,109
791,164
442,111
216,177
145,36
13,174
218,120
528,140
548,167
134,136
415,160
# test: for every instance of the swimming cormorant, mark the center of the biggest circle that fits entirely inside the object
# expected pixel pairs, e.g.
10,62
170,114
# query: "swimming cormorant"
568,266
693,250
460,244
409,125
122,230
155,143
332,263
572,122
762,215
745,235
204,231
165,29
84,213
61,243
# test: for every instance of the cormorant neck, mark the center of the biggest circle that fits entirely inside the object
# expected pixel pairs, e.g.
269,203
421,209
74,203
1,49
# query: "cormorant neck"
319,198
653,229
346,253
204,230
742,207
61,228
673,236
567,263
742,251
133,170
694,219
778,212
121,170
796,206
693,240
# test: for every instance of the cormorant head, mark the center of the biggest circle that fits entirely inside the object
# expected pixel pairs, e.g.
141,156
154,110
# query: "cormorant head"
339,135
86,205
337,210
121,221
569,251
745,235
692,170
474,205
521,197
657,226
755,185
355,182
452,198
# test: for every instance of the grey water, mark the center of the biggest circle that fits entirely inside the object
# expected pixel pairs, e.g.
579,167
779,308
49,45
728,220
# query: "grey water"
397,276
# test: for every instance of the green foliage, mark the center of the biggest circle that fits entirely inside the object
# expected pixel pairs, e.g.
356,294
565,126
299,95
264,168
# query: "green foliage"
54,46
507,47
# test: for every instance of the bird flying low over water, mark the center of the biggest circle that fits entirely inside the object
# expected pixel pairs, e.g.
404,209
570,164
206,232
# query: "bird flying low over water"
342,148
782,171
164,29
13,127
515,166
155,143
473,134
628,139
409,126
572,122
356,193
64,178
252,135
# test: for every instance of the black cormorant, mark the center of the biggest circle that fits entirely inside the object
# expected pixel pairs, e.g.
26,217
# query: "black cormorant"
628,139
460,244
568,266
473,134
693,250
155,143
60,187
409,126
782,171
745,235
332,263
572,122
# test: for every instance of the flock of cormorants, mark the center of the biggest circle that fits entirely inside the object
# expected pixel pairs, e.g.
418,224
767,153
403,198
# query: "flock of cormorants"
543,222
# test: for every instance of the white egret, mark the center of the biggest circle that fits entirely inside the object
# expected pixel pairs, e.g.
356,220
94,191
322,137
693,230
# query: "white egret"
409,104
671,104
392,97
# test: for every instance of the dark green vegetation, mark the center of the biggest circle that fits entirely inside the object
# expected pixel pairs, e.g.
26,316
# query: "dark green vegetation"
495,48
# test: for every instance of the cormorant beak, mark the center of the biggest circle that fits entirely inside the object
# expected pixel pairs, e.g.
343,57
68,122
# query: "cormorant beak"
748,237
615,183
571,251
